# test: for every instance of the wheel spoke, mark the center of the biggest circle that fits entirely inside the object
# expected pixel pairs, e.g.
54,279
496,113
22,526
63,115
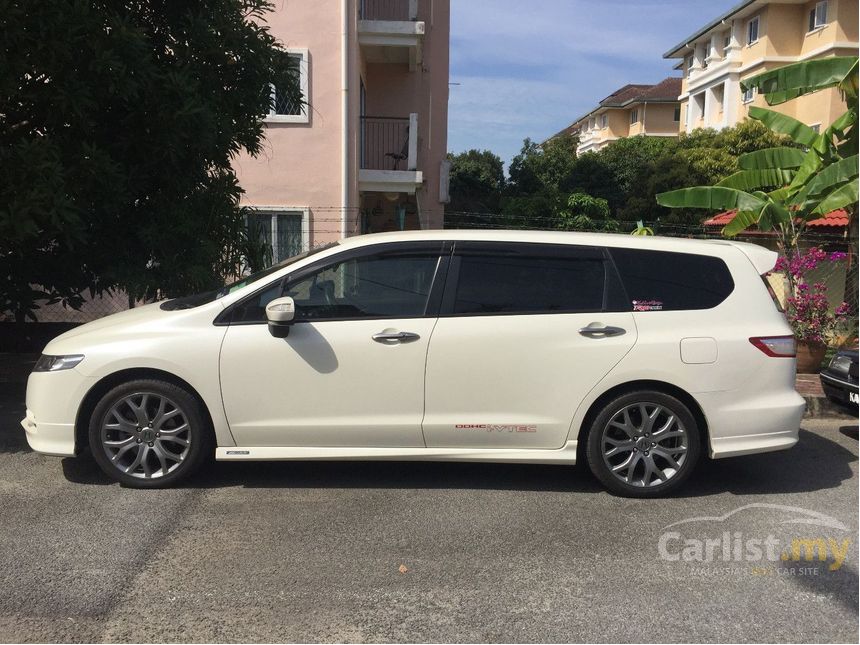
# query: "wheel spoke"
159,452
173,431
177,440
119,442
668,457
139,410
618,446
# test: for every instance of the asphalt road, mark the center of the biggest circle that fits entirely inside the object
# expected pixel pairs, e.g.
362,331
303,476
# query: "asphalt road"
312,552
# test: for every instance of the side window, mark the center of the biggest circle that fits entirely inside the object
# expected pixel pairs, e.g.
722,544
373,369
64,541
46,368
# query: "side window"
390,285
665,281
528,279
253,309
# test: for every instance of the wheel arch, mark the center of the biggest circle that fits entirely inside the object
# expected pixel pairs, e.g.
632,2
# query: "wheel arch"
632,386
106,383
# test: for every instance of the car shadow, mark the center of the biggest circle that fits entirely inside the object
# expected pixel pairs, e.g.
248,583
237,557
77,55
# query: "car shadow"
849,431
816,463
12,410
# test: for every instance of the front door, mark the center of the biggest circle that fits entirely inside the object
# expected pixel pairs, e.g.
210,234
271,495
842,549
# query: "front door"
351,371
524,333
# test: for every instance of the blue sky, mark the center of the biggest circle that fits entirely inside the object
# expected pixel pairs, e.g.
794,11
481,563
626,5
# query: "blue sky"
528,68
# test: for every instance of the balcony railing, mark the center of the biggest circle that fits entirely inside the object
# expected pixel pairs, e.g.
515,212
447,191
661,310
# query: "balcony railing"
388,10
389,143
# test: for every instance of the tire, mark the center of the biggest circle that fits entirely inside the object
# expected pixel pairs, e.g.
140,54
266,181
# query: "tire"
643,444
149,433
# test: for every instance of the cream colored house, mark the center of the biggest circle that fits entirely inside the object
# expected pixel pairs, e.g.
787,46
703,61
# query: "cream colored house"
629,111
757,36
367,152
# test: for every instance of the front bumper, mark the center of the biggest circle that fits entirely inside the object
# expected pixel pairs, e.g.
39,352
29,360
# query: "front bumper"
53,400
839,389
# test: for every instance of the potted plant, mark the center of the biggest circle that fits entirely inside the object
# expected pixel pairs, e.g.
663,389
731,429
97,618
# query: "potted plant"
808,309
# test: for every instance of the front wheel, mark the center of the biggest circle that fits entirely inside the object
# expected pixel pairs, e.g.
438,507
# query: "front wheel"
643,444
149,433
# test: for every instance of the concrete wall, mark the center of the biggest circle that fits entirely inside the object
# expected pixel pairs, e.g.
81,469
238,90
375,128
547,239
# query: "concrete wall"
300,162
300,165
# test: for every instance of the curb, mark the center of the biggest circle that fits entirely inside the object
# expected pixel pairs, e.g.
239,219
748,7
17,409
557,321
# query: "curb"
820,407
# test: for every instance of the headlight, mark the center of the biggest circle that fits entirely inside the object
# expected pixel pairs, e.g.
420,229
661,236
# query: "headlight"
840,364
48,363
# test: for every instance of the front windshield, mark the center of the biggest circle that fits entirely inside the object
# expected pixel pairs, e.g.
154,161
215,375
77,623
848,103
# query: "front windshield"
187,302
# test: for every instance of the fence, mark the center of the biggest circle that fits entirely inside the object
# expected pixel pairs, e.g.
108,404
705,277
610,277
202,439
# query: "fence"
326,222
384,143
384,10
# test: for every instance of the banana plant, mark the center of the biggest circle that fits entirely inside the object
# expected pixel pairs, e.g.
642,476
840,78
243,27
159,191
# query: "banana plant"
782,189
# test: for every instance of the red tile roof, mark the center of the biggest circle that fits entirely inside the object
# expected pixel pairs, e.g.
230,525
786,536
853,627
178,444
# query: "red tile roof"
666,90
837,218
625,95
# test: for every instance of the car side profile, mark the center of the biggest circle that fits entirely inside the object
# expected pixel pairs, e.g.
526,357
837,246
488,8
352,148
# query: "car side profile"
638,355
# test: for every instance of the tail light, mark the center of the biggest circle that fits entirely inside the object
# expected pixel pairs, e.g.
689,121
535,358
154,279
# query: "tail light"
777,346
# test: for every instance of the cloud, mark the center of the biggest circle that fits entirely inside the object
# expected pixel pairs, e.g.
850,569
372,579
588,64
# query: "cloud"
529,68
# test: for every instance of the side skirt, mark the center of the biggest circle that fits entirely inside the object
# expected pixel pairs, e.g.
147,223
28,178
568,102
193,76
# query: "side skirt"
565,455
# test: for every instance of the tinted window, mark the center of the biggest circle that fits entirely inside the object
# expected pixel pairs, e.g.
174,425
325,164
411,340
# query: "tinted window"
663,281
393,285
528,279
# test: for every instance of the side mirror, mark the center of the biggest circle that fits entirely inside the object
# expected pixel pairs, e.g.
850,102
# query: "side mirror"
280,314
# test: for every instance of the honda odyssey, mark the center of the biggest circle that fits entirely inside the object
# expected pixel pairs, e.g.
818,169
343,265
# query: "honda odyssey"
638,355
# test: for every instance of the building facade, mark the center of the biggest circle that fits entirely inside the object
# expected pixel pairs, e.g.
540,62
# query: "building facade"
366,152
757,36
628,112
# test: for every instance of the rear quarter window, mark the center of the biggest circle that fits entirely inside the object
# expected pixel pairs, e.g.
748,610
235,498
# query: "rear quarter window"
668,281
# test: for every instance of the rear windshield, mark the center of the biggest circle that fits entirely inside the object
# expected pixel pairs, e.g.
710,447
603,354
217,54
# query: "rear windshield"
667,281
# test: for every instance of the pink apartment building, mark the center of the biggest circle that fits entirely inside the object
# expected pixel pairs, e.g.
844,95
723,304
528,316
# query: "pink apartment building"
367,152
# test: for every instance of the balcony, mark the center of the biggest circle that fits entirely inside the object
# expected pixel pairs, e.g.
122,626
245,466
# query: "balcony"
389,32
388,149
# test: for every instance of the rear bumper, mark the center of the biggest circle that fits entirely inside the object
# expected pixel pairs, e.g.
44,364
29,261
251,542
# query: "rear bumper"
744,424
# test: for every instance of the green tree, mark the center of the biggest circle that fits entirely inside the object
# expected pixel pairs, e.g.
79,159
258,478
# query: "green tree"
477,179
535,193
118,124
586,213
783,188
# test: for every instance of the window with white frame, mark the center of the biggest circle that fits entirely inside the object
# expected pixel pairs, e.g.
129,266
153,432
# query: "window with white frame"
748,95
676,115
818,15
689,63
286,106
604,121
285,231
634,115
752,30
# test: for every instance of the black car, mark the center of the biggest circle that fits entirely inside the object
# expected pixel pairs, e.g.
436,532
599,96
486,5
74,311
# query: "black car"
839,379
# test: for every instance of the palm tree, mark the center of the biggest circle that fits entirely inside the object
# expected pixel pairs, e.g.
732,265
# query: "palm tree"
782,189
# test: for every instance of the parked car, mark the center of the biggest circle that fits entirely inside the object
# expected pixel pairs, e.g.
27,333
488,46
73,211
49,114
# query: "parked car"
636,354
839,379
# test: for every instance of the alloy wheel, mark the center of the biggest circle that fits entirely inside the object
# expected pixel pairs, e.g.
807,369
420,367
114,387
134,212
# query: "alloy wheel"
145,435
644,444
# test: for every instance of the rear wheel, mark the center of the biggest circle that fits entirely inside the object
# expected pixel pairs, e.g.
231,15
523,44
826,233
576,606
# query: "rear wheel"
643,444
149,433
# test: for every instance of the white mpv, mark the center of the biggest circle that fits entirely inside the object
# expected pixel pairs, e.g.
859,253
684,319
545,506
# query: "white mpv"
636,354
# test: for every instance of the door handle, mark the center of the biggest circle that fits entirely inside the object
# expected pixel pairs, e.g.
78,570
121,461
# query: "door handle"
596,330
395,336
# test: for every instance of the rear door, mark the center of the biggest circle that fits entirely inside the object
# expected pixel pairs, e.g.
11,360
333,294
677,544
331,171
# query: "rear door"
525,331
